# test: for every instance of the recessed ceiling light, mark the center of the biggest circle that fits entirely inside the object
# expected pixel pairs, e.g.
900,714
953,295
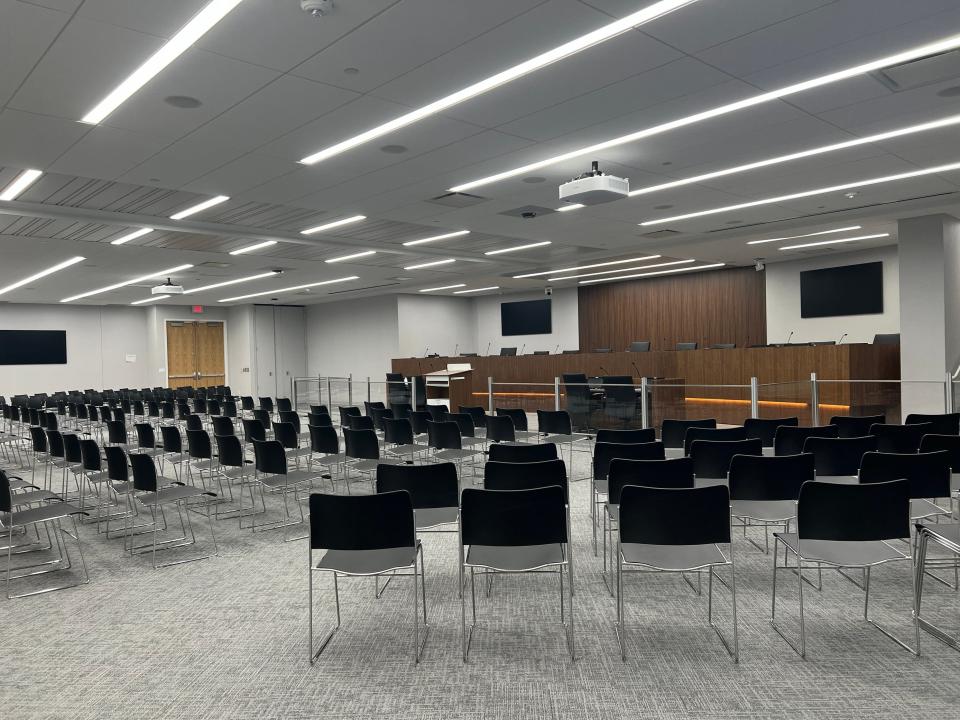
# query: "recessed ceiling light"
20,183
813,234
108,288
394,149
432,263
444,287
850,195
199,207
587,267
611,30
249,278
352,256
184,102
131,236
571,206
662,207
517,248
651,274
351,71
42,273
334,224
835,242
476,290
809,193
949,43
435,238
667,162
150,299
534,179
280,291
209,16
251,248
618,270
950,92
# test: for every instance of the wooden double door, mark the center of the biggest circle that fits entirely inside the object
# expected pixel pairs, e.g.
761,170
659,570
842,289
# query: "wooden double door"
195,356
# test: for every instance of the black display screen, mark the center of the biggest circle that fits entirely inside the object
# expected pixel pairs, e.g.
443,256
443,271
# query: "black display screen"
846,290
531,317
33,347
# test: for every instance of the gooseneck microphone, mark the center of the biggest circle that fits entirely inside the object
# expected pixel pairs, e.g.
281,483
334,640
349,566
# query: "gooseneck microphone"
488,347
841,338
556,350
456,350
789,336
426,352
639,374
522,348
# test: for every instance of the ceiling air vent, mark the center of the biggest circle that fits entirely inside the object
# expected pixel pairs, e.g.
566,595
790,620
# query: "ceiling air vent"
922,71
657,234
368,287
457,200
528,212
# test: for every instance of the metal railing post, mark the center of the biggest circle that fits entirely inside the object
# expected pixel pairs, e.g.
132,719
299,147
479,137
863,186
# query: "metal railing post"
644,403
350,389
814,400
329,395
413,392
556,393
293,393
948,393
754,398
368,389
490,395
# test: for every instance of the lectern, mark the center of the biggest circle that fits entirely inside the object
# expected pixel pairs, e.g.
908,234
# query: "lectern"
452,387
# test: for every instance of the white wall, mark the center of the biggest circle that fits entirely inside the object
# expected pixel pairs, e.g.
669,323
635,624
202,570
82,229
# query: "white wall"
566,323
98,341
356,336
783,300
442,324
240,349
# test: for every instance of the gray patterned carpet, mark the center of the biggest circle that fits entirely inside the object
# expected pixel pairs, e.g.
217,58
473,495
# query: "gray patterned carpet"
226,638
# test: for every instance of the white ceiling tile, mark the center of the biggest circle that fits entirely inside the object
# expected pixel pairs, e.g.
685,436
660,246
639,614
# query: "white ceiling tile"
162,19
183,162
240,175
107,153
29,140
26,32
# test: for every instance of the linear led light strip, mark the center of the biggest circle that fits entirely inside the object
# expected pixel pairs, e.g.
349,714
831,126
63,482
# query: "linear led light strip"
476,290
517,248
649,274
444,287
278,291
651,12
434,238
108,288
943,45
630,269
587,267
132,236
571,206
249,278
352,256
809,193
209,16
835,242
797,237
43,273
150,299
251,248
20,183
199,207
432,263
334,224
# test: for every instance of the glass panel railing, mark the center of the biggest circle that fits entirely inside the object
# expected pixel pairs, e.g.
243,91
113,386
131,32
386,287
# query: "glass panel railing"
305,391
728,404
893,399
338,394
786,400
528,397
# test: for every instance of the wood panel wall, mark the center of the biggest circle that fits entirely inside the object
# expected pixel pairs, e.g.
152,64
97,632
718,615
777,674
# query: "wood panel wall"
720,306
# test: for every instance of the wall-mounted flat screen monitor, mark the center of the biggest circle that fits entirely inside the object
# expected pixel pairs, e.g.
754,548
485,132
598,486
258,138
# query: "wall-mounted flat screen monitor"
33,347
530,317
845,290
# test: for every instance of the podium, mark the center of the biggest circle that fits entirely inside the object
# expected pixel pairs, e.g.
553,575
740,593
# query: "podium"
452,387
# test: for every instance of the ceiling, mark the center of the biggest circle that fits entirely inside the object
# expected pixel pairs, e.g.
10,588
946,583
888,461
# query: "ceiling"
275,85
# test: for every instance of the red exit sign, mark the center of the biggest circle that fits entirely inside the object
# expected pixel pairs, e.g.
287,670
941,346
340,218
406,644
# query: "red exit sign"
197,309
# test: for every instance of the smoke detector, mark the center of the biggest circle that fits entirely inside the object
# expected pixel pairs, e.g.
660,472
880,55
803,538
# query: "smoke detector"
317,8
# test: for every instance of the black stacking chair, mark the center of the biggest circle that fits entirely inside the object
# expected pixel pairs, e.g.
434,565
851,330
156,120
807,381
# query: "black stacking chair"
288,436
764,490
765,429
274,477
223,425
360,422
928,475
325,450
437,412
789,440
943,424
520,425
368,406
715,434
847,526
363,449
447,443
838,459
232,467
673,432
582,401
434,491
265,418
856,425
284,405
246,403
378,415
711,458
651,538
514,531
319,419
643,435
603,453
468,431
500,429
476,413
523,452
146,440
418,421
346,412
900,438
253,430
320,409
398,437
362,536
401,410
266,404
620,401
947,537
230,409
555,426
194,422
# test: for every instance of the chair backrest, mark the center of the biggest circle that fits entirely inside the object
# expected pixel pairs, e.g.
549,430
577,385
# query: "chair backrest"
320,409
230,451
266,403
639,346
438,412
686,346
900,438
476,413
38,438
223,425
324,439
430,486
194,422
117,467
230,408
554,422
144,472
711,458
269,457
362,522
444,435
942,424
360,422
518,415
672,432
464,421
950,443
401,410
641,435
90,455
765,429
618,389
263,415
253,429
856,425
507,518
839,456
284,405
198,445
699,433
398,432
419,420
290,416
71,448
768,477
346,412
172,440
246,403
213,407
604,452
319,419
500,429
854,513
145,435
287,434
789,440
361,444
368,406
524,476
927,473
523,453
649,515
672,473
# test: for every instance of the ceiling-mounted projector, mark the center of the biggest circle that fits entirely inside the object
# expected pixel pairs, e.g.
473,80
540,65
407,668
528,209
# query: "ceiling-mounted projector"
594,188
168,288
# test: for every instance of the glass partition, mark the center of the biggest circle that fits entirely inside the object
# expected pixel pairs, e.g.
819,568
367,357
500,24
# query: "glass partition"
728,404
786,400
305,392
893,399
528,397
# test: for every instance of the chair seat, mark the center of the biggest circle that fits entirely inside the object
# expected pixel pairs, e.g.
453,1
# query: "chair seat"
202,465
431,517
764,510
767,450
839,479
601,486
172,494
332,459
96,477
298,452
367,562
947,534
921,508
408,449
44,513
291,478
563,439
701,482
673,452
32,496
17,483
454,455
371,465
515,558
842,553
672,557
471,442
524,434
